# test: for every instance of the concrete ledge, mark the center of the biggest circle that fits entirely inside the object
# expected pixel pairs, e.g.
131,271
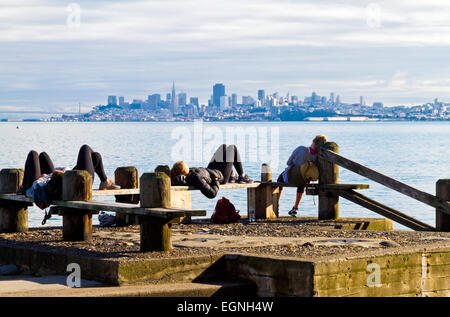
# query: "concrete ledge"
112,271
414,272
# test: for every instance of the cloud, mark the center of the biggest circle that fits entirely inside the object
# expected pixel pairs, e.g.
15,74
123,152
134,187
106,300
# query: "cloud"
135,48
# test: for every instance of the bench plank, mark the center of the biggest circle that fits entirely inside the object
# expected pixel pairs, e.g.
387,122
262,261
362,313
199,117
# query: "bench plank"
15,197
325,186
223,186
130,209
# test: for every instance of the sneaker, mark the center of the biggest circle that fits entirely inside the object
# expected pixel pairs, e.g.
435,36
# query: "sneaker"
244,179
108,184
232,179
293,212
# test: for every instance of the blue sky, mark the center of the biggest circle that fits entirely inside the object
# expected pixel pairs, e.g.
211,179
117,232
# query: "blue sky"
391,51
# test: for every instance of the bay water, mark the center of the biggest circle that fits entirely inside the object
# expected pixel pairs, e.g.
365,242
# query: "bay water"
416,153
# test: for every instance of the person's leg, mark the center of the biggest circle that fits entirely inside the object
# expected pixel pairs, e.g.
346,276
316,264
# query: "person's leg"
32,170
298,198
98,166
280,180
234,156
46,163
219,162
84,160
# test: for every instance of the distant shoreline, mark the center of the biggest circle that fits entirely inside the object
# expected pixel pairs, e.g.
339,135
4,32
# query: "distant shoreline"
12,120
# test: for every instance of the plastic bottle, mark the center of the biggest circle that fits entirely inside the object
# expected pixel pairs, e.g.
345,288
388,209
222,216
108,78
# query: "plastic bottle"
251,215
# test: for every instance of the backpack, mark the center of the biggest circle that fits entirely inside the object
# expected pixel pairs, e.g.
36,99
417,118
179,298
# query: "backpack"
40,196
225,212
305,173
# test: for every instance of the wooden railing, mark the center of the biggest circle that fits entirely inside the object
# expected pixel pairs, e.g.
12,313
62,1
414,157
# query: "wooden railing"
440,201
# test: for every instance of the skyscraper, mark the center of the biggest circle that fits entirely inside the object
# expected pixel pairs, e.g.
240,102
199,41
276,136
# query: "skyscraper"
362,101
261,96
224,103
193,101
173,101
112,101
234,100
121,101
182,99
218,91
332,97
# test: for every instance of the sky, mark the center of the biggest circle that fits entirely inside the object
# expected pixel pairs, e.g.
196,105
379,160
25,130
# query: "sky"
56,54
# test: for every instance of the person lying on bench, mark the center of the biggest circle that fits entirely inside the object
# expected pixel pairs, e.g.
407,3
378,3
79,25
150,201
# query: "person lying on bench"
289,176
219,171
39,167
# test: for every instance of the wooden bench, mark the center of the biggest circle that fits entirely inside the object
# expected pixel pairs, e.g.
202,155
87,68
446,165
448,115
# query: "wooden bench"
155,211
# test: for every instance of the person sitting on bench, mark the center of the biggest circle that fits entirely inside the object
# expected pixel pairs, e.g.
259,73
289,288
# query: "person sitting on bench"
297,159
39,165
219,171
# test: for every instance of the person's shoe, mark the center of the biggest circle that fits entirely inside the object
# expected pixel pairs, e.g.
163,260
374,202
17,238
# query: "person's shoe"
293,212
21,191
232,179
108,184
244,179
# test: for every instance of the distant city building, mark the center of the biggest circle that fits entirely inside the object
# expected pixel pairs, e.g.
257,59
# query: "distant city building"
223,103
218,91
261,96
377,105
182,99
121,101
193,101
154,101
173,101
234,100
362,101
112,101
247,101
332,97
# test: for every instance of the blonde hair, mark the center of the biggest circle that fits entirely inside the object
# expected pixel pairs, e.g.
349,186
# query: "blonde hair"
320,139
179,168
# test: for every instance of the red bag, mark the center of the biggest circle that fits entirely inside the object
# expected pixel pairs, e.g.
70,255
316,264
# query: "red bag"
225,212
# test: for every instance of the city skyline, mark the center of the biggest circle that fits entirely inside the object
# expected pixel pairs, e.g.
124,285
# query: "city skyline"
53,59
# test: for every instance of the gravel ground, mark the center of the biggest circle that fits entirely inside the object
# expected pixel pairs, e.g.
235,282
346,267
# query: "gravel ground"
50,239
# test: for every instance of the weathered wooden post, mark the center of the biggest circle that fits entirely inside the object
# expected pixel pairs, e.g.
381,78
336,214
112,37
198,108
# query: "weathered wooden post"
443,191
77,223
328,174
178,198
163,169
264,198
127,178
13,215
155,232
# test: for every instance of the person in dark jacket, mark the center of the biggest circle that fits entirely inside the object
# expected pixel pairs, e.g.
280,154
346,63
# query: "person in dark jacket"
219,171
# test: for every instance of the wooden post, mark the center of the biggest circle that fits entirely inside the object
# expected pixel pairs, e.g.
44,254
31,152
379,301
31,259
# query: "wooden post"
164,169
13,215
263,199
328,174
155,232
266,173
127,178
443,191
77,223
